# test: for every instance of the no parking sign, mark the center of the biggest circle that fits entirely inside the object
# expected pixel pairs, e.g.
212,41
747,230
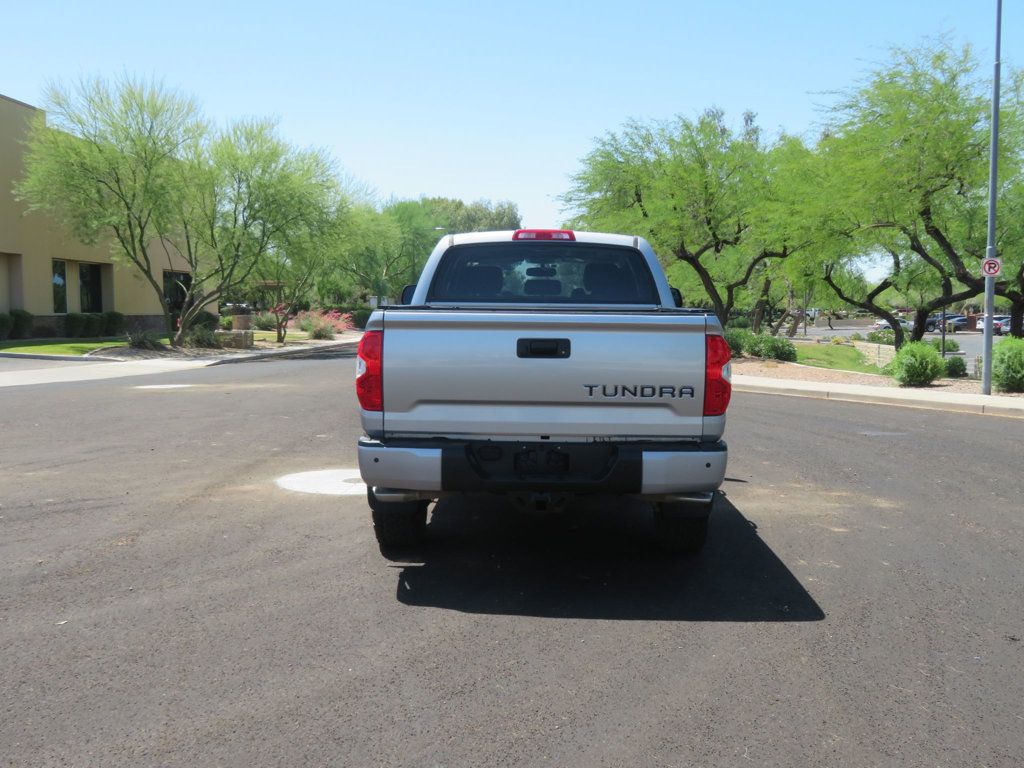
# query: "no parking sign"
992,267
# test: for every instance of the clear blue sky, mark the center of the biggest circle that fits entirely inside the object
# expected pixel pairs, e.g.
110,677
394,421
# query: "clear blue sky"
477,99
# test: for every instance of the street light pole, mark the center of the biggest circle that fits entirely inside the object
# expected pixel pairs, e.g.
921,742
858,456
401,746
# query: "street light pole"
990,248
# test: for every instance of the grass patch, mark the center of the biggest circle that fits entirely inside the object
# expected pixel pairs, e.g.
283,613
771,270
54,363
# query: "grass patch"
272,335
60,346
836,357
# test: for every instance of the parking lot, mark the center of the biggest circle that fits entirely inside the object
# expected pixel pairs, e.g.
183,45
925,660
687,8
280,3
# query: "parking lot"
164,602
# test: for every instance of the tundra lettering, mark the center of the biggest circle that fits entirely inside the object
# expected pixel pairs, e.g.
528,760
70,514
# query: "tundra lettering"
638,390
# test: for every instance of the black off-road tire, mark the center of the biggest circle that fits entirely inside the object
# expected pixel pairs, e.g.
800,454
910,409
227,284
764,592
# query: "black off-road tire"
680,527
398,525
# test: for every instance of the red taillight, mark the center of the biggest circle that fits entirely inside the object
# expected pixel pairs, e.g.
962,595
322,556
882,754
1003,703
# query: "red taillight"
369,379
717,372
543,234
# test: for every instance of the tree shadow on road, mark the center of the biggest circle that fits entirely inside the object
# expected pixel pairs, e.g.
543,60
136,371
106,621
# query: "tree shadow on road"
598,561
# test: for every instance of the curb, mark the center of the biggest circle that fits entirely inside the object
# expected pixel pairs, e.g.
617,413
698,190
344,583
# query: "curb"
279,353
68,358
882,398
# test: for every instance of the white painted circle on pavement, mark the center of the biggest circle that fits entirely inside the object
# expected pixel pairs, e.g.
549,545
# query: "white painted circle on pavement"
330,482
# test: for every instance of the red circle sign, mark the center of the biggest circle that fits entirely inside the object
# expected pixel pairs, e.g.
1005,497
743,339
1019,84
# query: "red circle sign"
991,267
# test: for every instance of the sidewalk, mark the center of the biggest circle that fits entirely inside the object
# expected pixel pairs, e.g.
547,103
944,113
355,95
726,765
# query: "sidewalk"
860,393
87,370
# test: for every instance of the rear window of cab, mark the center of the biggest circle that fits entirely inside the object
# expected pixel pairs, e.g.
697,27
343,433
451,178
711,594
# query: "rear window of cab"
543,273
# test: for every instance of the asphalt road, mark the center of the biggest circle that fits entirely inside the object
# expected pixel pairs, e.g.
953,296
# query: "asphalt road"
162,602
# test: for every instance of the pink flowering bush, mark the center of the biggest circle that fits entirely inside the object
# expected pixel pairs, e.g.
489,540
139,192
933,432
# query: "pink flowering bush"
313,322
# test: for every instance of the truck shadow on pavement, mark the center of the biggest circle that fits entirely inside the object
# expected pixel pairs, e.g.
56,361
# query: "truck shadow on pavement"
597,561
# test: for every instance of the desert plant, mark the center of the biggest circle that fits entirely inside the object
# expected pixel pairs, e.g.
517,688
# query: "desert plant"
740,322
225,322
140,339
885,336
322,332
6,323
856,336
200,336
113,323
738,339
74,325
264,321
22,325
956,368
838,340
951,344
771,347
1008,365
917,364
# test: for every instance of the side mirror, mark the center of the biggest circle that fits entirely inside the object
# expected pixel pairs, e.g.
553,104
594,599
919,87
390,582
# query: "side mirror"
677,296
407,293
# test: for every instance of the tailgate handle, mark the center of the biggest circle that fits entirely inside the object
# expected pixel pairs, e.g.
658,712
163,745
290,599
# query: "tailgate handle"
543,348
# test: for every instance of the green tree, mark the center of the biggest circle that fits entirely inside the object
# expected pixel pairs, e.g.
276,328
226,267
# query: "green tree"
245,198
700,192
903,171
104,161
480,216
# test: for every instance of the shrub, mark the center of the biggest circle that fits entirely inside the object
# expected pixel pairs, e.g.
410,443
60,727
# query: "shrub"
140,339
740,322
264,321
738,339
93,325
6,323
771,347
360,316
838,340
956,368
1008,365
856,336
22,325
206,320
74,325
113,323
951,345
200,336
885,336
322,332
225,322
917,365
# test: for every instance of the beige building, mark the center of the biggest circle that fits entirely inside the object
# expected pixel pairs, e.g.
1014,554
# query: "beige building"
45,270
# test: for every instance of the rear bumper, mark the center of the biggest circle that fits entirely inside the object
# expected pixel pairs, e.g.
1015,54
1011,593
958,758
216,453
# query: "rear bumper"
646,468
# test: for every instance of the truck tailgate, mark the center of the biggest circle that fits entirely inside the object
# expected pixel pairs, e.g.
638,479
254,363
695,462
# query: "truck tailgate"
537,373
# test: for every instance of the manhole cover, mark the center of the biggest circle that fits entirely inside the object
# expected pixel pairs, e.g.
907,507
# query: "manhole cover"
329,482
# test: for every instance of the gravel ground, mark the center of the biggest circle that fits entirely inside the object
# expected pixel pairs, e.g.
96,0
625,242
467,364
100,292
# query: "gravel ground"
779,370
127,353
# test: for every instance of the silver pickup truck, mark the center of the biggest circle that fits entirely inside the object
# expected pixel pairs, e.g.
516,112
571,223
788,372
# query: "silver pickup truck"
542,364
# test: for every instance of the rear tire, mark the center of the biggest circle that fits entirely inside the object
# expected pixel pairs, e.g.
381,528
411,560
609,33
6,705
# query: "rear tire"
398,525
681,527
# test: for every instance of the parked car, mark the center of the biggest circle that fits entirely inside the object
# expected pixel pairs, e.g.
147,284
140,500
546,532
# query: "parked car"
934,322
542,365
881,324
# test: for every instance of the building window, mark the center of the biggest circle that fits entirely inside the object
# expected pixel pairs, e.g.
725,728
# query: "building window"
90,287
60,287
175,286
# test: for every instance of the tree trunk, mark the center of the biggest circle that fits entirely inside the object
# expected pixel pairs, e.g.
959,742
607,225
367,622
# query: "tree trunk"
1017,318
778,326
794,326
762,301
920,319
